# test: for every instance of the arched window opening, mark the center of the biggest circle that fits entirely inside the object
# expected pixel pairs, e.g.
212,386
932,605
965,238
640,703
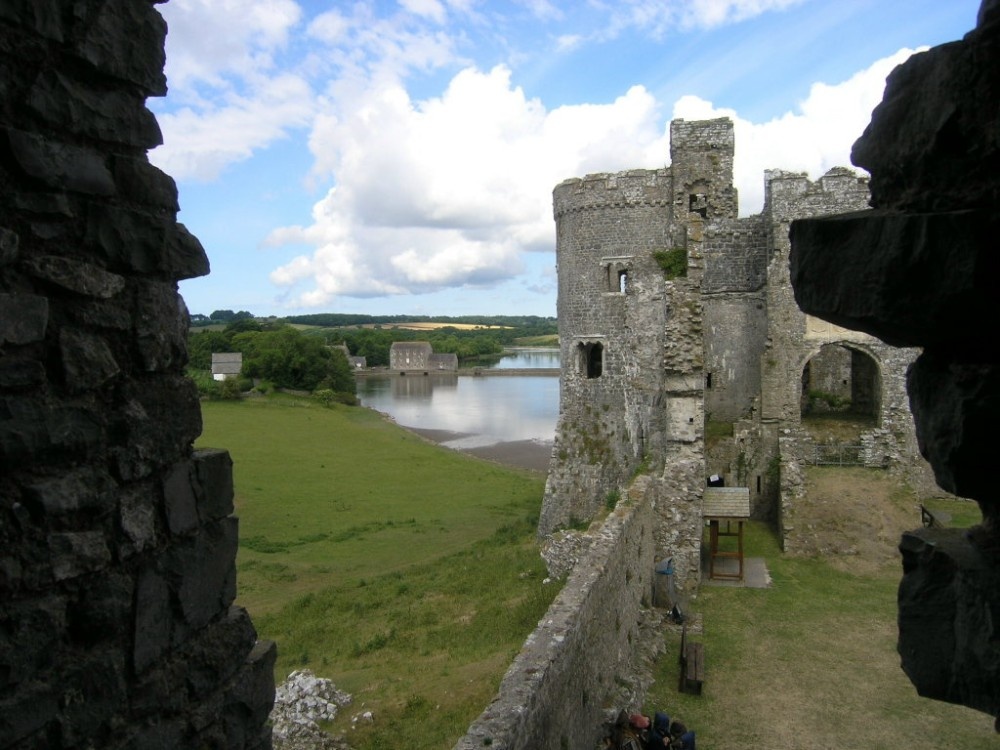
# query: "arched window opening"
591,359
622,281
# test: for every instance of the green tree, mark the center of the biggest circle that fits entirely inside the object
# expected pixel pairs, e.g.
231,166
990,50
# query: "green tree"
201,345
290,359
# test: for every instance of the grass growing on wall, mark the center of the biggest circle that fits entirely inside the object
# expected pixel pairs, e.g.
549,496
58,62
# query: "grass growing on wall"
405,572
672,262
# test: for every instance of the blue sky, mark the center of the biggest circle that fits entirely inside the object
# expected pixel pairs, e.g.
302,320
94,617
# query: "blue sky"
398,156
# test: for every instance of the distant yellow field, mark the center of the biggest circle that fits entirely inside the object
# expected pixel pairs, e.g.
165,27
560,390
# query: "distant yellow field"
429,326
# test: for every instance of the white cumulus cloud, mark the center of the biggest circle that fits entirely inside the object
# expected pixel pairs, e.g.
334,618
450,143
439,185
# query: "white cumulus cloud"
450,191
816,137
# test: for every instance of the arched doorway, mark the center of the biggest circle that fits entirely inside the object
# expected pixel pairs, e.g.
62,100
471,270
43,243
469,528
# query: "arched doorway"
841,392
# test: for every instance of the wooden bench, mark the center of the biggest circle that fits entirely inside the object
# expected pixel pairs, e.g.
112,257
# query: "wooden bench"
692,665
929,519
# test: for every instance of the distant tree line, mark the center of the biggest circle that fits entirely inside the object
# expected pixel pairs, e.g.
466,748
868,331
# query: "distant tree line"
219,316
372,341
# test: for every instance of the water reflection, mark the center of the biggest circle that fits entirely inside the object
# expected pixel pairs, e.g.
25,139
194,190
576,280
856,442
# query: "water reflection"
484,410
531,359
419,386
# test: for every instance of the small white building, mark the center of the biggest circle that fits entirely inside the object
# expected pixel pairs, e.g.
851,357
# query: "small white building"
226,365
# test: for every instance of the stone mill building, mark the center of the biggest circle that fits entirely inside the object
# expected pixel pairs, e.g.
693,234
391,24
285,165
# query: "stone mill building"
677,319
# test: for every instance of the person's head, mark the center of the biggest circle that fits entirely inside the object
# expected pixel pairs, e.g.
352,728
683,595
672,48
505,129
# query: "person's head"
677,728
638,721
661,722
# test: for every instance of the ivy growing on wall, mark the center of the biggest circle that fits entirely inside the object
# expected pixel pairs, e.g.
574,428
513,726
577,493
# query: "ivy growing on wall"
673,262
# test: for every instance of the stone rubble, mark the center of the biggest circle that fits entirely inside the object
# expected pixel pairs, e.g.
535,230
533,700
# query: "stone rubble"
300,702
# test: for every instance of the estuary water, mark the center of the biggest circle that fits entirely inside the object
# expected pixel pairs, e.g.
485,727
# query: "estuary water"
477,413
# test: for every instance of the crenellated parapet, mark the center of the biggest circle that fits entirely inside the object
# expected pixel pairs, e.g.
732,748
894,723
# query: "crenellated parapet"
636,188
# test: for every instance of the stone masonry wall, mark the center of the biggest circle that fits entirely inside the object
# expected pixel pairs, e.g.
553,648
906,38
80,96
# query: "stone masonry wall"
607,226
117,543
572,667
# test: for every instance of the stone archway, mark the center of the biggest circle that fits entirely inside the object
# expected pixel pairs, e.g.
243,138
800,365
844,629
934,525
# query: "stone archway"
841,381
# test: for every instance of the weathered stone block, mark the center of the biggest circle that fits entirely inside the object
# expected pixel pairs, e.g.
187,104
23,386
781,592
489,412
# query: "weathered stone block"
8,246
27,712
925,147
214,483
949,629
145,183
217,654
956,409
76,276
87,361
914,279
124,39
156,425
29,634
128,241
138,518
76,553
253,687
21,373
161,690
84,488
102,610
23,318
185,256
206,572
179,499
93,691
113,314
164,735
29,428
161,327
61,165
153,621
111,115
43,17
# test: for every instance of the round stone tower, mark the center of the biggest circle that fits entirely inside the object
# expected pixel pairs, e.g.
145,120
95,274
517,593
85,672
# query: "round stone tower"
609,230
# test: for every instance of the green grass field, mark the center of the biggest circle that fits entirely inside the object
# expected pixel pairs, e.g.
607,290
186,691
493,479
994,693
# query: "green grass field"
809,664
404,572
408,574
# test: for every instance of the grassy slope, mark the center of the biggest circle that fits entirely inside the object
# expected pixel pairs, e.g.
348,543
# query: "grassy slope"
404,572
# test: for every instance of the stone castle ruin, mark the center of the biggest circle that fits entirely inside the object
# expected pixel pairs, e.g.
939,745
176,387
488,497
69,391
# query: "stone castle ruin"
676,316
117,540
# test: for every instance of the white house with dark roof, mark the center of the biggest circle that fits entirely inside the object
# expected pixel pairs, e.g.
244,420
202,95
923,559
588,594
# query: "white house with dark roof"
226,365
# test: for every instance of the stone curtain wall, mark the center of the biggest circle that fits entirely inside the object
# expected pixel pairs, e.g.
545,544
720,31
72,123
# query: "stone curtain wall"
589,644
117,543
